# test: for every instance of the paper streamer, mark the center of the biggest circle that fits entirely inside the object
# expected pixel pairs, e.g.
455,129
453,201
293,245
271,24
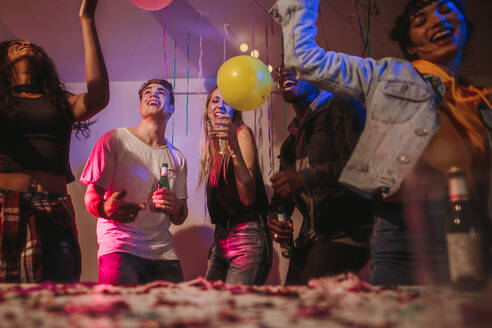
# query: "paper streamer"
200,64
367,50
285,113
323,29
226,37
269,104
361,31
270,136
164,41
187,78
282,47
282,55
363,28
174,75
253,13
174,86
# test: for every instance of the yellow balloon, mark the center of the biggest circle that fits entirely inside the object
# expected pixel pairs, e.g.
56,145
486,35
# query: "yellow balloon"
244,82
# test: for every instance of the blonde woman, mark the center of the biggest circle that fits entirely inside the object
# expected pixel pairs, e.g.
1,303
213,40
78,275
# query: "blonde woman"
236,197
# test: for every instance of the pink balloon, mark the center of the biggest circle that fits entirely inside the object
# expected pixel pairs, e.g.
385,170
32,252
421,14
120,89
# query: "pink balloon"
151,4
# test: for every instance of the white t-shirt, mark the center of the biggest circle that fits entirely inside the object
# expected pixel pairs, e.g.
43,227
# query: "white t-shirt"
121,161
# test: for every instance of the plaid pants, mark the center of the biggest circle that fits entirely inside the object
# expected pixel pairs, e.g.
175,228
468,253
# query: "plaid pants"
21,240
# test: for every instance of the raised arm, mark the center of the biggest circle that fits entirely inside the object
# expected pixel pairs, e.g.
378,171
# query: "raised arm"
86,105
338,73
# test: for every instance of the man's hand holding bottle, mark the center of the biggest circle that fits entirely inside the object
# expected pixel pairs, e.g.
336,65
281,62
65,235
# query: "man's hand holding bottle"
166,200
281,229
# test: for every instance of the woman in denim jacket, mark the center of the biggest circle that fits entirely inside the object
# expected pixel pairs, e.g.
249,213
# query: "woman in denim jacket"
419,124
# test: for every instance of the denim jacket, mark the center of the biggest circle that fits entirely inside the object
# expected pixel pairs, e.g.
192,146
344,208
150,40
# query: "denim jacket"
401,104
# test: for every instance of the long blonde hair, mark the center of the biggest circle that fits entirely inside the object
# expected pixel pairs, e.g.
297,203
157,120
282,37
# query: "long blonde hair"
205,156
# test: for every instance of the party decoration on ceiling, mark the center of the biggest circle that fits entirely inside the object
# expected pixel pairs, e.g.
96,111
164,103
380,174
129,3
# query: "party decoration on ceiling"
151,4
270,148
164,32
174,86
200,63
227,27
253,14
365,9
244,82
188,37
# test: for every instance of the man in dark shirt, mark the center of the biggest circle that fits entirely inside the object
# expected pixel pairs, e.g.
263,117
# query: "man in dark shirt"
336,223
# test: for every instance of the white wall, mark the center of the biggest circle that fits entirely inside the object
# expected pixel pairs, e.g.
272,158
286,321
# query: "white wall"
195,236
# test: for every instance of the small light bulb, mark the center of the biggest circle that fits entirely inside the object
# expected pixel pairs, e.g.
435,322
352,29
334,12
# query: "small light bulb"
243,47
255,53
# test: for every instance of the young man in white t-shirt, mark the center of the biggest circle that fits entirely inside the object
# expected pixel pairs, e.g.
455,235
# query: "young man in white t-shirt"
134,215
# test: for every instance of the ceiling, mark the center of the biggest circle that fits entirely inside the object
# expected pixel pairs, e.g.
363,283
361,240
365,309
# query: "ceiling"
132,38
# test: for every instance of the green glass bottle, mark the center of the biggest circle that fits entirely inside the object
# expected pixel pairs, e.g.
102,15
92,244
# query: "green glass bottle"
287,248
163,181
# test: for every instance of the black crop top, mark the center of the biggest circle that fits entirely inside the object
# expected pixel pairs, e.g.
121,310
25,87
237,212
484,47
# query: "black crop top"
34,136
224,203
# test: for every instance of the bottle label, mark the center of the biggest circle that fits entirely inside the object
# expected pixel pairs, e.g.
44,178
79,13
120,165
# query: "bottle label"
465,256
282,217
164,171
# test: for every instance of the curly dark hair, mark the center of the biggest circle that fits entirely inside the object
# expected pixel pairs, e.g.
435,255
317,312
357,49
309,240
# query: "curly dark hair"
47,79
401,27
164,83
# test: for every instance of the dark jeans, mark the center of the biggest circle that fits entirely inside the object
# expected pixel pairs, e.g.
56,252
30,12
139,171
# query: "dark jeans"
403,256
39,233
127,269
239,254
61,254
325,257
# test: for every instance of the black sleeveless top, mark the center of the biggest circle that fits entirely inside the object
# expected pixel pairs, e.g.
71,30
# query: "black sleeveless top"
224,204
34,136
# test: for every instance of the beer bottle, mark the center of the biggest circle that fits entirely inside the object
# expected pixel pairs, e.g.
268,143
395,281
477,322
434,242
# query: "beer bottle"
163,182
286,248
463,236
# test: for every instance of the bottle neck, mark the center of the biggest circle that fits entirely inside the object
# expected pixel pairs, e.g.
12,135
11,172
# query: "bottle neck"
457,189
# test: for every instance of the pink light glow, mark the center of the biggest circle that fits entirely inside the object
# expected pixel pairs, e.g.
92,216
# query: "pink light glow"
151,4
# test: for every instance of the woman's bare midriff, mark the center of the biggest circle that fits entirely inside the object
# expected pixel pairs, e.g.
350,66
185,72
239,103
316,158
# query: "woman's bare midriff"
34,180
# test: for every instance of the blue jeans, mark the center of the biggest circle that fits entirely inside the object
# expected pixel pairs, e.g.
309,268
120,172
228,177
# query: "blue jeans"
403,257
239,254
127,269
61,254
